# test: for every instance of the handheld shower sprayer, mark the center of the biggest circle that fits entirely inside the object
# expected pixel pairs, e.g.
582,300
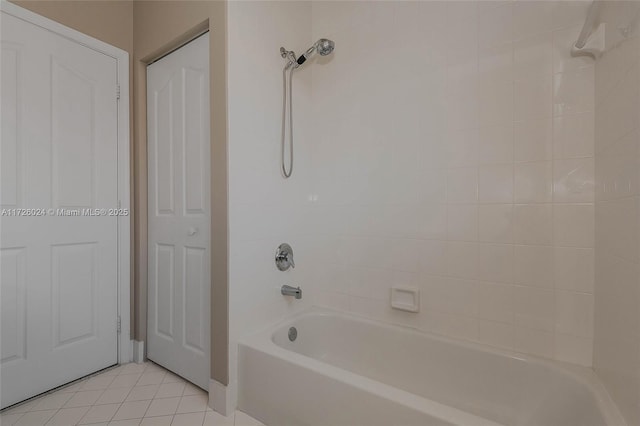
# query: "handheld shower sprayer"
323,47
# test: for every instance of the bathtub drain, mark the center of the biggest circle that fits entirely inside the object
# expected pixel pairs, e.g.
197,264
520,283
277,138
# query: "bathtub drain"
293,334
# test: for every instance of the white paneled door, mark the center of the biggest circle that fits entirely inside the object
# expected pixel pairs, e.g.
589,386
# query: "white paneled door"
178,149
59,155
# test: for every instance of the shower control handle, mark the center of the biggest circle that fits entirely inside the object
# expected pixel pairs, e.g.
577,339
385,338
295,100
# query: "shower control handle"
284,257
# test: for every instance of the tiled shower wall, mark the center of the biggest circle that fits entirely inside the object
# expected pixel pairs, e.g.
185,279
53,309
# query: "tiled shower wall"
617,160
452,150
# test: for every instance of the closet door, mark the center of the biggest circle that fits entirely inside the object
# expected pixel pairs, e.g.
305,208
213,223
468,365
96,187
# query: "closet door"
178,149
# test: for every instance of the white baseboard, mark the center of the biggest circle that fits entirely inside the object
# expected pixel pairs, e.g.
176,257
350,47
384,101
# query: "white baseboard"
138,352
221,398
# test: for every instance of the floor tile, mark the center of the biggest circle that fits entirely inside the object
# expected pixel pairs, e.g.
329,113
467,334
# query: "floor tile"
113,396
125,381
150,367
35,418
141,393
67,416
152,378
157,421
9,419
128,422
128,395
72,387
54,400
189,419
170,389
172,378
211,418
193,403
132,410
83,399
162,407
191,389
100,413
97,383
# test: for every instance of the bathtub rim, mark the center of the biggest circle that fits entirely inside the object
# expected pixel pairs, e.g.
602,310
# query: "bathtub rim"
263,341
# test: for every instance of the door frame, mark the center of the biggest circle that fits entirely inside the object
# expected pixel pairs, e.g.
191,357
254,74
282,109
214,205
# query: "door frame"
124,344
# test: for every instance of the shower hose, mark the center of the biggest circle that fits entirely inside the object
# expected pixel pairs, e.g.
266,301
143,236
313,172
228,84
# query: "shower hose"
291,67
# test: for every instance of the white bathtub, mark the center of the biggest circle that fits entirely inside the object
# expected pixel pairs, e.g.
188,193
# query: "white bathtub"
343,370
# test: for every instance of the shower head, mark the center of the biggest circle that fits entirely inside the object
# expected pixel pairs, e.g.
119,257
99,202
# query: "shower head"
323,46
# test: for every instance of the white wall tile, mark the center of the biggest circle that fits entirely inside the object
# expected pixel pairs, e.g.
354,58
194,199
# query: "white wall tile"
573,180
533,182
533,266
496,334
573,91
495,223
462,222
533,54
533,95
532,18
454,296
495,25
462,259
495,144
495,184
574,314
533,140
534,224
433,257
433,179
496,302
576,350
462,148
534,308
573,225
573,135
462,185
534,342
574,269
495,262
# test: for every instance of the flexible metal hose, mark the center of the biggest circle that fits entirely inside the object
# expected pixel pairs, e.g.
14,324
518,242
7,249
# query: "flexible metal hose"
286,173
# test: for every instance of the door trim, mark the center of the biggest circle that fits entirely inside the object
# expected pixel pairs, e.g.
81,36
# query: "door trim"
125,344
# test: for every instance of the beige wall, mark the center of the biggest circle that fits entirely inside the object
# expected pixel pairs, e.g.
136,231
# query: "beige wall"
109,21
161,26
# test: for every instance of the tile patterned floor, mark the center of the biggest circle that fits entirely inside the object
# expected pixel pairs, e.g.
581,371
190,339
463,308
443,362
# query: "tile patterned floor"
128,395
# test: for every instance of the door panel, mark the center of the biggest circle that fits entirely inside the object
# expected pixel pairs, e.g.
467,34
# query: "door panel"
14,311
179,217
58,284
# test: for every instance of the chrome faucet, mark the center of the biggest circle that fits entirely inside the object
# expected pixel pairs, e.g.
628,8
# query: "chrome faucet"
287,290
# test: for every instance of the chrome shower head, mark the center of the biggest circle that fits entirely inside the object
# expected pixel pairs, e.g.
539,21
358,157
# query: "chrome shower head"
323,47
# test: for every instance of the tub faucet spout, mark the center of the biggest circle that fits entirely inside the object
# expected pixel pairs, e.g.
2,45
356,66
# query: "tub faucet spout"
287,290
